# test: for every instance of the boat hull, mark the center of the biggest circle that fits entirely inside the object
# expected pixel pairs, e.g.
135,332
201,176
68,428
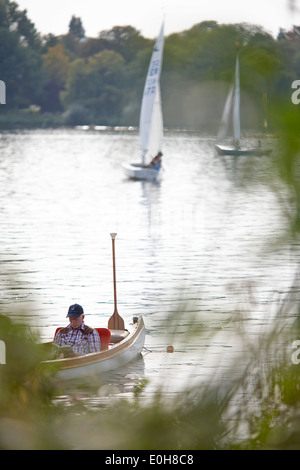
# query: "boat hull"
138,171
243,151
116,356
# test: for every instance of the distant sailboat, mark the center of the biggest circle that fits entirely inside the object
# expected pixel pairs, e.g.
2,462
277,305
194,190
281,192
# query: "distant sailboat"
151,120
232,110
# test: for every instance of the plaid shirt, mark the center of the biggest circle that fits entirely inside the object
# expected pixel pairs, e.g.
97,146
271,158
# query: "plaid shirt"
79,342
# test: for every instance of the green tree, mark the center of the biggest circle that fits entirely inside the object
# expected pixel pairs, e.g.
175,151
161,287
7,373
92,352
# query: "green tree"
76,28
46,70
125,40
20,58
56,65
95,85
17,20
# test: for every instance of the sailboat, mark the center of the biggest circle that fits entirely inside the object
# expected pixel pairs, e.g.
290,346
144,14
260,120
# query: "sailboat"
232,110
151,120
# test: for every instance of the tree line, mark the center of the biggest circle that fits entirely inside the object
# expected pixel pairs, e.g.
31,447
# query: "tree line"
99,80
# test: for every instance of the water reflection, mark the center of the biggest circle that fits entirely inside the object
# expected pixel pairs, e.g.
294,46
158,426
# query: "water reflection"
103,389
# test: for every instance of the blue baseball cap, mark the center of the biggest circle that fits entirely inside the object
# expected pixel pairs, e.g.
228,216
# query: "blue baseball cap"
75,310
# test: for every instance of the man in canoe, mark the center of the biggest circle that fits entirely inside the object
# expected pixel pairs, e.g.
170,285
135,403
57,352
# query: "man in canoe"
80,337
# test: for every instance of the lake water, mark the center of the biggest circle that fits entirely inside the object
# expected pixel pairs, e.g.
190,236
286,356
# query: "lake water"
199,243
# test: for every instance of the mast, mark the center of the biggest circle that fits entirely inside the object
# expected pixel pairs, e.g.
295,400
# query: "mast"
236,106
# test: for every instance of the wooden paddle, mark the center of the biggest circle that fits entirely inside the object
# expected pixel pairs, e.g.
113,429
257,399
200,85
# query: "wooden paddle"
115,322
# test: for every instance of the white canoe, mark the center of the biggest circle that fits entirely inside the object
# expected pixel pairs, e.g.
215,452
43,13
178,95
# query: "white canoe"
117,355
140,172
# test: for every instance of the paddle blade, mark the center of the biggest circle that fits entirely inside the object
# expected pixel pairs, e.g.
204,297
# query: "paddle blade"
116,322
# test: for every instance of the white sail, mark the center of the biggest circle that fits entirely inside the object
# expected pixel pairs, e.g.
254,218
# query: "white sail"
151,123
233,103
156,130
236,106
225,116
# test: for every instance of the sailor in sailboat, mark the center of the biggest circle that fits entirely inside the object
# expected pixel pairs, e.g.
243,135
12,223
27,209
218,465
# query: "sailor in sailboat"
156,162
151,120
